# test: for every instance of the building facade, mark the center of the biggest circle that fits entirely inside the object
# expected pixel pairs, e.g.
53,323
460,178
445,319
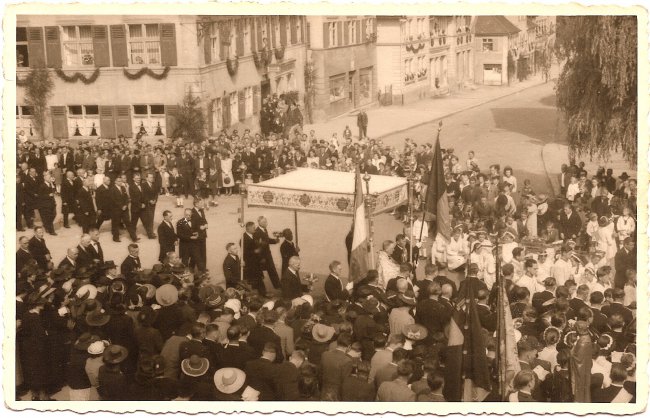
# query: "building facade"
127,75
494,38
343,56
451,53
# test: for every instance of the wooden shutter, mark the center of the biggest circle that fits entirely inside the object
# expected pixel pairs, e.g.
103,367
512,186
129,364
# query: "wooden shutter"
346,33
210,116
253,34
363,30
256,99
123,121
168,54
358,23
207,46
226,111
118,46
294,32
239,32
36,47
53,47
283,30
59,121
273,24
107,121
171,112
258,29
339,33
100,46
242,104
326,35
269,33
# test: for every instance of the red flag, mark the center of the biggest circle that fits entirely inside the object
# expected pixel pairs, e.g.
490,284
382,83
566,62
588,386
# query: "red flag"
359,256
436,204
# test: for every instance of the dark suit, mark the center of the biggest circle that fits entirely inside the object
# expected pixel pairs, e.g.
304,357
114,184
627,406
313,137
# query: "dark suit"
85,257
102,200
198,220
262,376
67,263
287,382
291,286
618,308
334,289
252,268
192,347
119,204
263,241
46,205
138,211
261,335
232,270
432,315
150,198
335,367
606,395
66,162
400,255
39,251
599,322
22,258
188,248
167,239
236,355
98,254
575,304
287,250
487,318
85,210
130,266
68,201
622,261
570,226
111,169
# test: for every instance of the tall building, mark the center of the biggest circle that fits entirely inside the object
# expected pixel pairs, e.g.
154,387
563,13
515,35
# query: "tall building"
127,75
494,39
342,64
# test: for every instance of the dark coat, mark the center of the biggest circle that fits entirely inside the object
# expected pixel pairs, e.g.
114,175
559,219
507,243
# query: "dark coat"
67,192
236,355
622,261
116,199
191,347
137,197
618,308
287,250
232,270
102,199
291,286
86,257
76,375
22,258
286,383
570,226
66,162
150,194
261,335
38,249
112,384
166,238
129,266
262,375
334,289
198,220
169,319
263,241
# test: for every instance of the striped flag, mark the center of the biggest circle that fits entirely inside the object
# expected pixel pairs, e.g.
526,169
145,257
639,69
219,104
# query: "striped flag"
467,374
436,204
507,348
359,256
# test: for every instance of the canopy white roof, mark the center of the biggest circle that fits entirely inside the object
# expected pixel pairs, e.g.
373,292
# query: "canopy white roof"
313,190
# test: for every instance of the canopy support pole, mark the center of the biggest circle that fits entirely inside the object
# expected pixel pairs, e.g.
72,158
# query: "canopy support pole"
295,225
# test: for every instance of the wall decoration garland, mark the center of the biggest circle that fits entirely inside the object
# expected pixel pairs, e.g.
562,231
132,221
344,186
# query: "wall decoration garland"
232,64
146,70
78,76
279,53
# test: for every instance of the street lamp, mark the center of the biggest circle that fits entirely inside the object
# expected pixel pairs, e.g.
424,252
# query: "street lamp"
370,201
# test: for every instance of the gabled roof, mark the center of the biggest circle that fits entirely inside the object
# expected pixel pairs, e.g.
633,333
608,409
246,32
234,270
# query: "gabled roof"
494,25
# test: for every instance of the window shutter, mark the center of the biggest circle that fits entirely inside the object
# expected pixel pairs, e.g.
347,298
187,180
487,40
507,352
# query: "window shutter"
283,30
305,30
269,33
358,23
346,33
35,47
226,111
256,99
253,34
107,121
210,116
326,35
259,23
118,46
207,46
294,32
168,44
363,29
242,104
53,47
123,121
339,33
100,46
273,23
239,32
59,121
374,26
171,112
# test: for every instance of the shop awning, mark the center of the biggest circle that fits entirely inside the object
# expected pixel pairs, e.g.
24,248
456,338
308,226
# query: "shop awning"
325,191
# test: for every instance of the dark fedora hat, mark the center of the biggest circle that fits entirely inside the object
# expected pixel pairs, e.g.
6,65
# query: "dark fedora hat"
107,265
114,354
61,274
97,318
84,341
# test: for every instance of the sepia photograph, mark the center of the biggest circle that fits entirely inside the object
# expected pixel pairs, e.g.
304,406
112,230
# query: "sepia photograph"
350,209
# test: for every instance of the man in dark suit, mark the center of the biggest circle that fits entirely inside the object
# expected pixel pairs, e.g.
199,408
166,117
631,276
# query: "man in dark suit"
119,204
400,254
95,246
201,224
185,165
111,169
188,234
429,311
614,393
625,259
70,260
336,365
66,160
45,202
288,249
131,264
86,214
194,346
289,377
86,254
540,300
334,289
486,316
570,223
102,200
234,353
616,306
252,267
150,195
68,200
580,299
599,321
471,279
31,185
291,285
232,266
23,256
362,124
263,241
138,210
166,236
38,249
263,372
263,334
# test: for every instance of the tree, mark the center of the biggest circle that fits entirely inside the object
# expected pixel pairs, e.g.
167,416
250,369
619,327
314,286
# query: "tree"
597,87
38,91
190,121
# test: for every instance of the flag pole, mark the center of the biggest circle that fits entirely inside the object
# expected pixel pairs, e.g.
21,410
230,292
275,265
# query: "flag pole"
424,206
501,367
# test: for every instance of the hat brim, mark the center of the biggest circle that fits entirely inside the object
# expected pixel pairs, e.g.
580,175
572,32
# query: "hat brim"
240,379
205,364
115,360
330,334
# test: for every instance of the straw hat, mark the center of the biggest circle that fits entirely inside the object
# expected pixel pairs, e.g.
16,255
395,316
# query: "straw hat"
87,289
96,347
229,380
166,295
415,332
97,318
322,333
84,341
195,366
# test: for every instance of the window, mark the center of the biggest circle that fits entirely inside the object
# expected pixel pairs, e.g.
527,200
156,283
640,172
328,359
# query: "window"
352,31
149,120
144,44
248,94
247,36
22,52
291,82
214,43
77,46
332,34
83,120
232,45
24,120
234,108
217,115
337,87
299,29
276,30
365,86
488,44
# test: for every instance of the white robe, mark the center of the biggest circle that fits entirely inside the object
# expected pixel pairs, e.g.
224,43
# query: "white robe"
625,227
456,253
439,249
604,238
387,268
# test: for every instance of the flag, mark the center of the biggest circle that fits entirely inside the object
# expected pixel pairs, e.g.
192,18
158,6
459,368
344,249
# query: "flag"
507,349
436,204
467,373
359,254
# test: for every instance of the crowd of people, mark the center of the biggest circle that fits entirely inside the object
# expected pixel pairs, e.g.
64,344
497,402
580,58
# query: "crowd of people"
106,329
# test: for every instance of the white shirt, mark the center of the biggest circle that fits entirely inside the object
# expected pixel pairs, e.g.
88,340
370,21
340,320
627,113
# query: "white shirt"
561,271
529,283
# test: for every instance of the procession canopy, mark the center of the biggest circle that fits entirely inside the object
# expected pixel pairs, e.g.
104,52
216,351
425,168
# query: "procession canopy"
325,191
